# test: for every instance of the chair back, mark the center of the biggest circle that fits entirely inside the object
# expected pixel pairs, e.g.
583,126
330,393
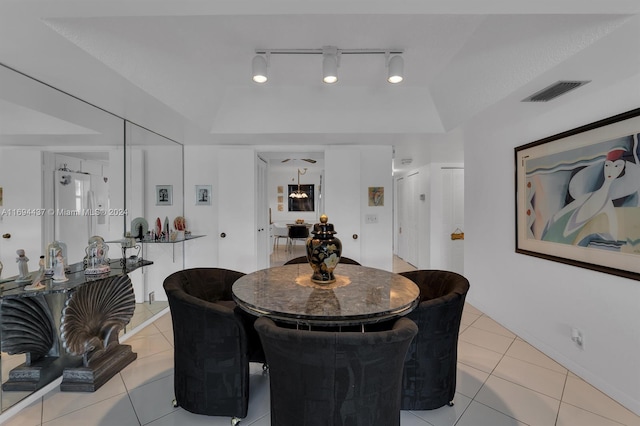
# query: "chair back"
298,231
211,348
303,259
323,378
429,379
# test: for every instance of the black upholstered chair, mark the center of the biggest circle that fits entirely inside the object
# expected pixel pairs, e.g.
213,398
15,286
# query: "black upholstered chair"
297,232
303,259
322,378
214,341
429,379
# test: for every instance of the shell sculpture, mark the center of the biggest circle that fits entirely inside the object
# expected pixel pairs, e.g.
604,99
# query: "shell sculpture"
94,315
27,327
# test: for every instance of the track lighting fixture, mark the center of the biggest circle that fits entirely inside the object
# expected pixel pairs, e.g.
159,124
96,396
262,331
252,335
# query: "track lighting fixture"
396,69
259,65
330,64
330,61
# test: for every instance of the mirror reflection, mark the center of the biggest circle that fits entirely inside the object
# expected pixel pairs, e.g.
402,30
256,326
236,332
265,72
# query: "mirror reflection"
63,179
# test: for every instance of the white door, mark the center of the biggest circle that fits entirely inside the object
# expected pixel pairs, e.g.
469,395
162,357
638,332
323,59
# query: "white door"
410,229
237,224
262,215
453,218
401,218
342,197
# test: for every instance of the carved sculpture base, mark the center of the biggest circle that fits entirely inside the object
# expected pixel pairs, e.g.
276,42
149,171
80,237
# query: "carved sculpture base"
37,375
89,379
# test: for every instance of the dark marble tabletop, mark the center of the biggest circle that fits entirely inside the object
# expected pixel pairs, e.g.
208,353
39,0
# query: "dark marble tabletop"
360,295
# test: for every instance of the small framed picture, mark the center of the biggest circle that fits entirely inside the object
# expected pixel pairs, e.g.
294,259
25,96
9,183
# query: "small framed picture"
164,195
280,189
376,196
203,195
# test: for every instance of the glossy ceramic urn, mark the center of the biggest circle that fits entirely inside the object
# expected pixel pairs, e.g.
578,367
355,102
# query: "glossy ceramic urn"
323,252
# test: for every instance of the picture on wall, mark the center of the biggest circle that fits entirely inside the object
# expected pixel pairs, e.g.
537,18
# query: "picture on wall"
376,196
164,195
301,204
203,195
0,195
578,196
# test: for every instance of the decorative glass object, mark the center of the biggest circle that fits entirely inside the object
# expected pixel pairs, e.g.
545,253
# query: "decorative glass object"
323,252
96,260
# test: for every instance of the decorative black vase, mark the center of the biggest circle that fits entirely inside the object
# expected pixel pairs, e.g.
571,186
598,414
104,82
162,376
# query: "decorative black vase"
323,252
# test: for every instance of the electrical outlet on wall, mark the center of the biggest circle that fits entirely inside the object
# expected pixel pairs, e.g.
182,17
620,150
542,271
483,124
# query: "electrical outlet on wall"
371,218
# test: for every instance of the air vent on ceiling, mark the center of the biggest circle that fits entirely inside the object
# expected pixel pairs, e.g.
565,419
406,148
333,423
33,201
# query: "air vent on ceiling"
555,90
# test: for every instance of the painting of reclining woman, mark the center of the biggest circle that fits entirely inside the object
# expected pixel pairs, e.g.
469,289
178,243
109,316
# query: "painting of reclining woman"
588,196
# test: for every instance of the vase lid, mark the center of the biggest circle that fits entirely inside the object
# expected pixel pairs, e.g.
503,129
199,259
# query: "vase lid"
323,228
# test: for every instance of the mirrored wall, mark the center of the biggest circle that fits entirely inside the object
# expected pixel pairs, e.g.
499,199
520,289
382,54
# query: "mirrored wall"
58,155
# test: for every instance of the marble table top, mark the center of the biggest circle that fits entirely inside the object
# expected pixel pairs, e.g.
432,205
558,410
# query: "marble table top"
360,295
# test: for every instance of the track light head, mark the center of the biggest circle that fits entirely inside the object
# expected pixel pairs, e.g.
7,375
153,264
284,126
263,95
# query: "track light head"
396,69
330,64
259,66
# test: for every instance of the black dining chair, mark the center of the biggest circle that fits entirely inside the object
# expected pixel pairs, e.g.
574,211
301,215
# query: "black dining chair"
429,379
327,378
303,259
296,233
214,341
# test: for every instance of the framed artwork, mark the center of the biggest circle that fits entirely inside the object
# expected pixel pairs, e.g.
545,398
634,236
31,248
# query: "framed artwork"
578,196
280,189
0,195
301,204
280,199
203,195
164,195
376,196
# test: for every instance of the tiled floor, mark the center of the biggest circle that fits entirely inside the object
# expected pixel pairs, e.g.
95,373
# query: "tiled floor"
502,381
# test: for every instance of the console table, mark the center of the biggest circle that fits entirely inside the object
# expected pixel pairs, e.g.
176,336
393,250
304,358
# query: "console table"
69,328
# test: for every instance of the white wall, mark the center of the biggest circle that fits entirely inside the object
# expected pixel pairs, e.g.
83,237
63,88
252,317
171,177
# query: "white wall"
538,299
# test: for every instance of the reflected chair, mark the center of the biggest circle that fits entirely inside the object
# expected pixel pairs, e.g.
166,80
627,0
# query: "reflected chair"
429,379
322,378
214,341
297,232
279,231
303,259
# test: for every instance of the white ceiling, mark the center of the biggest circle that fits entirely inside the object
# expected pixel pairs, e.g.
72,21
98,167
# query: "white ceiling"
182,67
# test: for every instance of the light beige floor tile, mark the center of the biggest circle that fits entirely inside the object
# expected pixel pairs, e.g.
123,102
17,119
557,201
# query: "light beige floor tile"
149,330
481,415
477,357
469,380
524,351
469,318
57,404
525,405
145,346
115,411
492,341
145,370
469,308
407,418
574,416
488,324
539,379
164,323
581,394
153,400
28,416
446,415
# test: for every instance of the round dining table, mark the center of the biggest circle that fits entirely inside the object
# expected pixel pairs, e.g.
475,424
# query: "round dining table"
360,295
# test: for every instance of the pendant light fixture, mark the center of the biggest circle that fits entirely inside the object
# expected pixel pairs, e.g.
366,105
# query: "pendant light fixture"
299,193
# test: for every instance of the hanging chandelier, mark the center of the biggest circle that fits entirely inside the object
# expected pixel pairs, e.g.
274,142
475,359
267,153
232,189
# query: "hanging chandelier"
298,193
